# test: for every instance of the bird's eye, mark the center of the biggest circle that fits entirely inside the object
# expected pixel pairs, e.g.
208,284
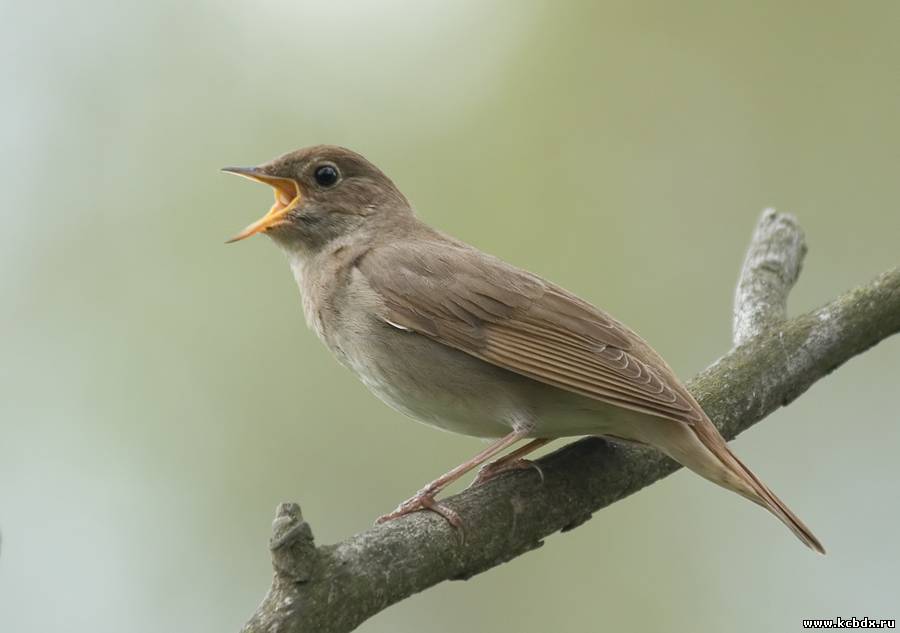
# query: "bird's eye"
327,176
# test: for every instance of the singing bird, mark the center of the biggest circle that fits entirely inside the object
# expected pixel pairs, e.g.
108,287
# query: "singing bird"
466,342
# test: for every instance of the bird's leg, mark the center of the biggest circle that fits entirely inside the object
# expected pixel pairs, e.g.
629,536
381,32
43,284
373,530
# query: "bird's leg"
512,461
424,499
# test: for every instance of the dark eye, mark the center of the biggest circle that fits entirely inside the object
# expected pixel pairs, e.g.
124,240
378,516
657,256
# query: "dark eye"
326,176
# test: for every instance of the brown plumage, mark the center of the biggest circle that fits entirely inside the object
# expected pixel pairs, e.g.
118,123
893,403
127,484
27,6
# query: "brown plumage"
464,341
479,305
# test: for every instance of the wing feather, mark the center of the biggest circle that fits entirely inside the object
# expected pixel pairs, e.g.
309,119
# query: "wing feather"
516,320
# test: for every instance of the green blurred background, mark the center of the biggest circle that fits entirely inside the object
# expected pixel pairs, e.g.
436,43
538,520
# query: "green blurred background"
160,394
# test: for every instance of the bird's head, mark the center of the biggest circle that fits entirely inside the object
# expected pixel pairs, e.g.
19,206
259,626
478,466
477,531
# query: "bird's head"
322,193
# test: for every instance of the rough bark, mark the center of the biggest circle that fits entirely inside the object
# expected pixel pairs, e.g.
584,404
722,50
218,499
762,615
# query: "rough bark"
334,588
770,270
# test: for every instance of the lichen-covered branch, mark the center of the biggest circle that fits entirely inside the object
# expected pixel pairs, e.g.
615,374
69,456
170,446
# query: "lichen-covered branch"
771,269
334,588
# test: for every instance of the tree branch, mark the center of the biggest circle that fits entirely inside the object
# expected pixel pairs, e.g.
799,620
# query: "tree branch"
334,588
771,269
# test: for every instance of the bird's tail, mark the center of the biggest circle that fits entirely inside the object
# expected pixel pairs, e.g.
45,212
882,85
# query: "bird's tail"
701,448
759,493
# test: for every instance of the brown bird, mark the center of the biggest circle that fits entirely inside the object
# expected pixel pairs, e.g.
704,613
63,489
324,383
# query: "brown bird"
461,340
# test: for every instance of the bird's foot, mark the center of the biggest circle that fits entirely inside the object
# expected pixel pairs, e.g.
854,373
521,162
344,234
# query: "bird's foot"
490,471
423,500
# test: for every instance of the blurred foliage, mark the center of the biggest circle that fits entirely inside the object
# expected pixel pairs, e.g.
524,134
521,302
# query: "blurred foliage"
159,393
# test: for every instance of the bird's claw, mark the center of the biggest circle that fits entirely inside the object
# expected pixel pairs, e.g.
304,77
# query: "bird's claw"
490,471
423,500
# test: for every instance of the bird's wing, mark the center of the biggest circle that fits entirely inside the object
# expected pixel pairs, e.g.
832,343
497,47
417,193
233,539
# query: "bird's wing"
503,315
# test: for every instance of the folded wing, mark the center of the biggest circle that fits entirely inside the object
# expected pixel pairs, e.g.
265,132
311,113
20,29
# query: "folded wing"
517,321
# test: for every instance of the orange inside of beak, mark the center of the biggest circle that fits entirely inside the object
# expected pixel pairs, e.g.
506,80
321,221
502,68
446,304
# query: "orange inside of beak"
287,196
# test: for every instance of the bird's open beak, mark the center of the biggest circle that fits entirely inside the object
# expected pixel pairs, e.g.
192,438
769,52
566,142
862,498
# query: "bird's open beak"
287,196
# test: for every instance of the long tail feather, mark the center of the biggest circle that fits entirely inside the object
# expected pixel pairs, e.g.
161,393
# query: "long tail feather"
767,499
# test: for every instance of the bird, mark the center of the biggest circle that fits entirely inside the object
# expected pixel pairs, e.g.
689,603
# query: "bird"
463,341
